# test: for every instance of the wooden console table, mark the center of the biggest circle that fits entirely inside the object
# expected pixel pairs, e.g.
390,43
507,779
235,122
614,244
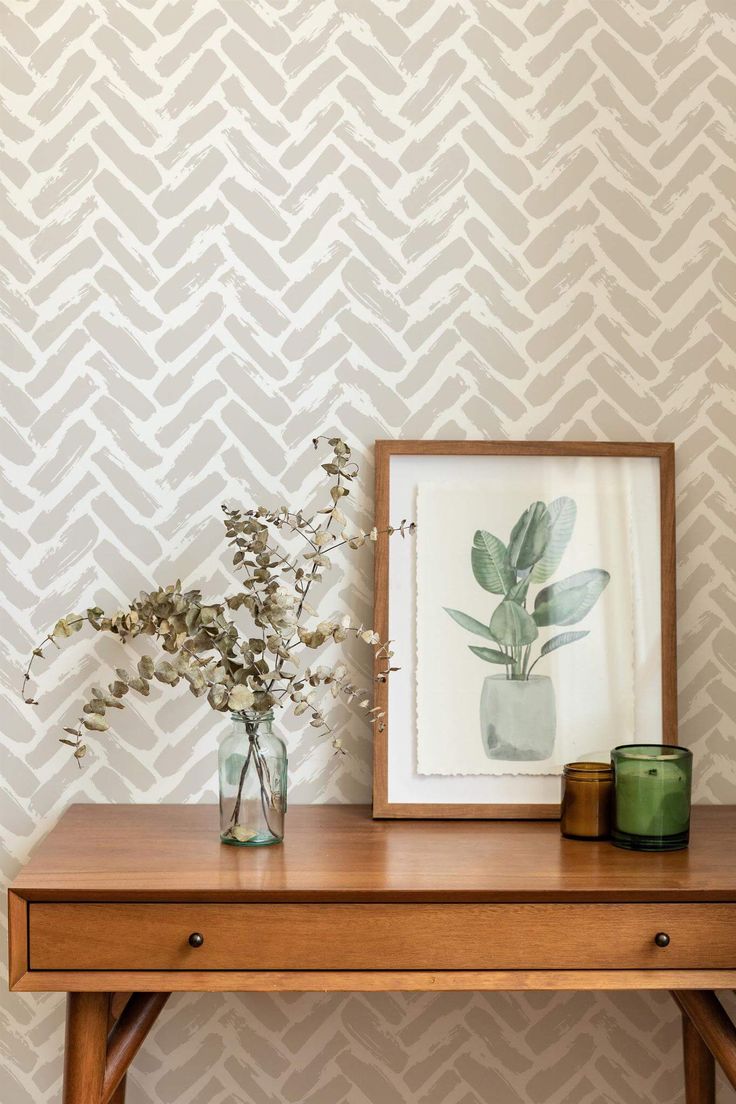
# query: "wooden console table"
122,905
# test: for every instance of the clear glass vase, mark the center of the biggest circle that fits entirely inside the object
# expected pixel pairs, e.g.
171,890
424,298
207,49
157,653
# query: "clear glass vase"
252,763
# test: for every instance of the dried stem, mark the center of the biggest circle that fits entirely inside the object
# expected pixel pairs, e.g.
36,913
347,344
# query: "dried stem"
200,644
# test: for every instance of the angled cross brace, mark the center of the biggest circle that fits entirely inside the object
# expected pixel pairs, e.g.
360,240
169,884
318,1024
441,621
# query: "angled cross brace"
705,1016
95,1063
127,1036
118,1002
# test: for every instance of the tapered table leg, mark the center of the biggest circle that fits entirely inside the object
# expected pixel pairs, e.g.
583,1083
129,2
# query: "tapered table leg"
86,1047
119,1095
700,1066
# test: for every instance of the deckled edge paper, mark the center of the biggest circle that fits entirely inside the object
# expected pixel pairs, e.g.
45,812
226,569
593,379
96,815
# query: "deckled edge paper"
449,677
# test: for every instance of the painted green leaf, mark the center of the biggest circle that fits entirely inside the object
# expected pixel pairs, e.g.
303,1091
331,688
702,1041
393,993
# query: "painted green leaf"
561,640
517,593
562,512
490,655
490,564
469,623
568,601
511,624
529,537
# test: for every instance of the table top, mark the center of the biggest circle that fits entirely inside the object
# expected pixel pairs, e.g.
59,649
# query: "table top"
339,853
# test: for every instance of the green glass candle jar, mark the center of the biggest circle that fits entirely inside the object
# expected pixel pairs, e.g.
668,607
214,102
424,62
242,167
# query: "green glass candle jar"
651,796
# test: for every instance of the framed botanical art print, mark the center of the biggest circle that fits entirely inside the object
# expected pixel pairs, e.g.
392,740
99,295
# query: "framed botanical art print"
532,615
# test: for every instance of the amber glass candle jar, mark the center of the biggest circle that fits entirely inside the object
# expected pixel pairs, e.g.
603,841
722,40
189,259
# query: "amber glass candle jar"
587,792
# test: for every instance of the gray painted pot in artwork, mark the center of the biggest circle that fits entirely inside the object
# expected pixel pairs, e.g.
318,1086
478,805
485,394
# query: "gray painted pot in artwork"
517,717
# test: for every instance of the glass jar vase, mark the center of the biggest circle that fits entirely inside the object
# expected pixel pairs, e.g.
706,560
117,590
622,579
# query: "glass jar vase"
253,770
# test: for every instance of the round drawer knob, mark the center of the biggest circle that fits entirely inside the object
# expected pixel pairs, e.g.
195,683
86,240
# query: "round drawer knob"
662,939
196,940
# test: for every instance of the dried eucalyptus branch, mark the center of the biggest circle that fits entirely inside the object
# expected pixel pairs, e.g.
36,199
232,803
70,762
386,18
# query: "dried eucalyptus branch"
206,647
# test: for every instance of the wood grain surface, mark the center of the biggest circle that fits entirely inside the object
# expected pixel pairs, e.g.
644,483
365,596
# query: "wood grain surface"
699,1065
398,936
352,902
85,1047
710,1019
369,981
339,853
125,1040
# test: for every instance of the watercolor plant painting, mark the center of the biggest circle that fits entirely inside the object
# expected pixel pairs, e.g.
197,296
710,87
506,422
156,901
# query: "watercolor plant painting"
517,710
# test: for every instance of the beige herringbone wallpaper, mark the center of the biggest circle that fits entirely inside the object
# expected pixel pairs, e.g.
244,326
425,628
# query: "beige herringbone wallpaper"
233,223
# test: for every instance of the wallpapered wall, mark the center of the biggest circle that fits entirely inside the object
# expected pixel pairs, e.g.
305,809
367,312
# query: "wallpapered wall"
234,223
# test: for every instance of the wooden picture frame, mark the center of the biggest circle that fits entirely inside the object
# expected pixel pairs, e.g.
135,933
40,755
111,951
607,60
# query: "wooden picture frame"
385,452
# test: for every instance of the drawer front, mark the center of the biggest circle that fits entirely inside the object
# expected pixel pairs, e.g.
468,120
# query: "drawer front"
107,936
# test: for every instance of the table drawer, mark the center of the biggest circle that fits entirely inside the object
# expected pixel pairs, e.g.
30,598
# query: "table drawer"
108,936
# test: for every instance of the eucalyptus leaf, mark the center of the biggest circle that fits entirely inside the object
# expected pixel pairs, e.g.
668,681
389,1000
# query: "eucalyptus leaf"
490,655
562,512
145,667
166,672
95,723
529,537
512,625
217,697
241,697
195,678
469,623
567,602
141,685
490,564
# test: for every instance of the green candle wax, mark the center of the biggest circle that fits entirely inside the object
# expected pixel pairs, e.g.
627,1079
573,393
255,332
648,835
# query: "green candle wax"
653,802
651,794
